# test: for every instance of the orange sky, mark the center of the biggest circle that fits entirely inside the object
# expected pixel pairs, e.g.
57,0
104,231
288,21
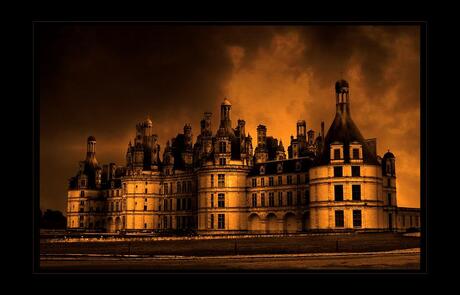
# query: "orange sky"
102,79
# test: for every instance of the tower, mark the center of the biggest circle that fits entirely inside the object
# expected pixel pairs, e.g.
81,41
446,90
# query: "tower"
225,108
91,150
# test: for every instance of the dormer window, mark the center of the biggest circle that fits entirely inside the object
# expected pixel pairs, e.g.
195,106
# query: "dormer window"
262,170
356,152
279,168
298,166
336,154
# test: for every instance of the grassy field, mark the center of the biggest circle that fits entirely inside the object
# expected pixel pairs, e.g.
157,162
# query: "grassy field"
264,245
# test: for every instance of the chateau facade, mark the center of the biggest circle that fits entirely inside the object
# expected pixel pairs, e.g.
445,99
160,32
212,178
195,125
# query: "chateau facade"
222,185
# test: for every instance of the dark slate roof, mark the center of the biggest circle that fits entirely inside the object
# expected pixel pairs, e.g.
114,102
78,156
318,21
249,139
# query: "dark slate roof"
344,130
91,138
388,155
289,166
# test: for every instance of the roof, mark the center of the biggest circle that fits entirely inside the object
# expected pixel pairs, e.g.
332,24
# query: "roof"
226,102
289,166
91,138
345,131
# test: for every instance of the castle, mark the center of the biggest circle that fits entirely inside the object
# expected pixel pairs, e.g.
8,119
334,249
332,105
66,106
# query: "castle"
222,185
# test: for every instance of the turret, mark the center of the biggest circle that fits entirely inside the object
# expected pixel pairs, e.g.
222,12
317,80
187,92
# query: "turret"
301,131
91,150
225,108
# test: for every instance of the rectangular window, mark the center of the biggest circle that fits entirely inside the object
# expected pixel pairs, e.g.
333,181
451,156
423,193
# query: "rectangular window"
222,147
221,200
307,197
221,180
299,198
389,182
145,192
189,203
212,200
338,192
271,199
221,221
336,154
145,225
355,153
254,200
211,221
338,171
222,161
178,204
389,199
262,181
254,182
166,188
356,192
270,181
356,218
280,199
145,207
307,180
298,179
339,222
280,180
355,171
165,205
289,179
212,180
289,198
165,221
189,186
179,188
262,200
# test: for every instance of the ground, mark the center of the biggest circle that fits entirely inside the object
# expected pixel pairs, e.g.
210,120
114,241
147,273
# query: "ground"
361,251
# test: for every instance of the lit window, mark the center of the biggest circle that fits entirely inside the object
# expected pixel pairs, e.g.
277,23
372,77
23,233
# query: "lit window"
254,182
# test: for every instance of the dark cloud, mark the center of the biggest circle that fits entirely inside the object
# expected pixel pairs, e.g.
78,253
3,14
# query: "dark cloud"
101,79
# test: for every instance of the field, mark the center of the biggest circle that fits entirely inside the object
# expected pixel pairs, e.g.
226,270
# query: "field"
247,246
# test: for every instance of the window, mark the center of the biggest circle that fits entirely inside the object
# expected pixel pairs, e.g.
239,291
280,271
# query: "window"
280,180
307,180
221,200
355,171
221,180
338,171
389,199
82,194
112,193
356,192
165,221
222,161
222,147
262,181
82,203
179,188
254,182
280,199
178,204
299,198
189,203
289,198
355,153
165,205
356,218
270,181
254,200
212,180
116,206
166,188
389,182
298,179
145,225
289,179
336,154
338,192
339,218
221,221
211,221
271,199
212,200
307,196
118,192
262,200
145,192
111,206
